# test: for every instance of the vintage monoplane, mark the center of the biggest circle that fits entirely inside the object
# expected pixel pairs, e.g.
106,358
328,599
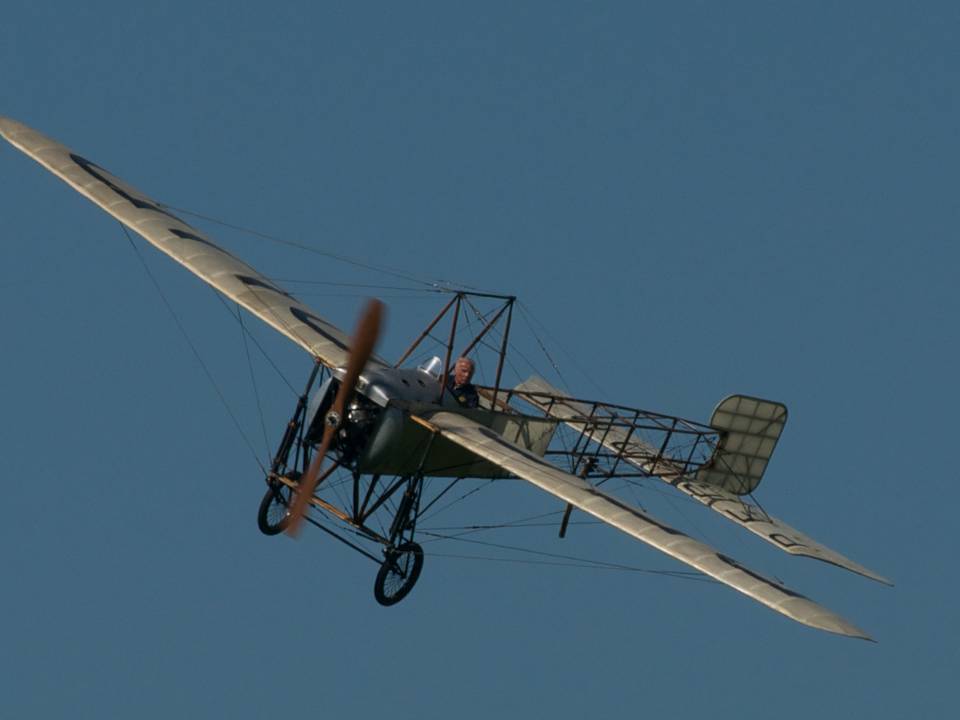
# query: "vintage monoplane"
403,440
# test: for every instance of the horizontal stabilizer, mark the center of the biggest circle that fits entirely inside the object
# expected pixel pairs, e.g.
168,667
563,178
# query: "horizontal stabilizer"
773,530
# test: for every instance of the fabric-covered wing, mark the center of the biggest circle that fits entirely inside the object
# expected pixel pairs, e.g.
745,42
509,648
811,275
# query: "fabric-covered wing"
642,455
489,445
186,245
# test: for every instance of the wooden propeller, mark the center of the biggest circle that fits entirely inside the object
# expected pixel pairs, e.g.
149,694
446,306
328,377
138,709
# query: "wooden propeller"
364,340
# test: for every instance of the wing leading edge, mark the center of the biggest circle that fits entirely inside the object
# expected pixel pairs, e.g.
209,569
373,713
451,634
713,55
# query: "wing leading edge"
186,245
492,447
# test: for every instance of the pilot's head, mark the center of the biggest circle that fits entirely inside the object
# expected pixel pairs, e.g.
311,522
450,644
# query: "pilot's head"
463,371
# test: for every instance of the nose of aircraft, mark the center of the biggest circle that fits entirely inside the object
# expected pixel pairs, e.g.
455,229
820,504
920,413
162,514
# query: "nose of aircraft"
361,348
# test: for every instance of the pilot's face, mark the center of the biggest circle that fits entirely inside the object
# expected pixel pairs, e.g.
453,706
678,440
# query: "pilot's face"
462,372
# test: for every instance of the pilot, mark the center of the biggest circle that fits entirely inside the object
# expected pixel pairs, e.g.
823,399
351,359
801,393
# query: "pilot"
459,385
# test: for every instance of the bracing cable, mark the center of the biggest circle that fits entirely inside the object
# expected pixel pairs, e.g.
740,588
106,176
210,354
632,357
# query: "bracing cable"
193,348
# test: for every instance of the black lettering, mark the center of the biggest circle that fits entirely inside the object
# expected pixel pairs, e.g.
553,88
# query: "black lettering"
255,282
703,493
733,563
745,519
637,513
196,238
96,172
316,324
785,541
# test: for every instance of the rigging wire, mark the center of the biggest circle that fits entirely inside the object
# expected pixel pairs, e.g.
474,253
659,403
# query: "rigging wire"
369,286
514,350
469,325
362,295
459,499
193,347
469,529
528,313
558,559
679,574
519,522
587,564
253,380
762,509
527,522
553,363
439,285
259,346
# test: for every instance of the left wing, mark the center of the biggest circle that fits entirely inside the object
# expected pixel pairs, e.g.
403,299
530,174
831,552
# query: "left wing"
489,445
186,245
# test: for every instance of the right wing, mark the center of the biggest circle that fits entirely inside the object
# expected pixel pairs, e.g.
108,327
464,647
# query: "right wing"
489,445
186,245
646,458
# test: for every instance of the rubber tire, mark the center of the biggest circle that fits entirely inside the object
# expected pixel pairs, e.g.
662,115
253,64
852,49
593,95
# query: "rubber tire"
268,510
387,596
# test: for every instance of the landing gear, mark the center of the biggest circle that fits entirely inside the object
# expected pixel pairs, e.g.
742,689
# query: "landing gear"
403,558
398,574
274,513
352,500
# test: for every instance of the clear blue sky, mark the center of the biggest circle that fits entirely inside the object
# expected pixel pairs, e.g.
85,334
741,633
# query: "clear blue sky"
693,199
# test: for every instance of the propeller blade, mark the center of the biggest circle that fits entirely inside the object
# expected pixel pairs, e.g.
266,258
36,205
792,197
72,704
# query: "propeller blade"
308,483
364,340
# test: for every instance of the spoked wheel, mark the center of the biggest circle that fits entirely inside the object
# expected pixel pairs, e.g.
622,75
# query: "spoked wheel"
398,574
274,514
